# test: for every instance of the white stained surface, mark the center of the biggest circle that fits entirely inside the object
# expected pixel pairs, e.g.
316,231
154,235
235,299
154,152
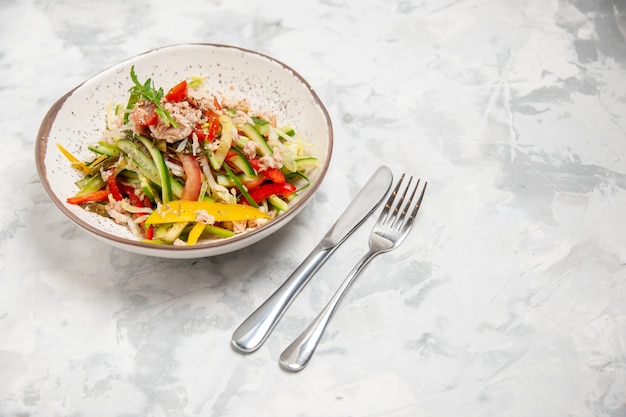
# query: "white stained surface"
507,299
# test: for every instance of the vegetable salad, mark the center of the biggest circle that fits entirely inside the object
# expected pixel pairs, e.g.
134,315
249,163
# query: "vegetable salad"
186,166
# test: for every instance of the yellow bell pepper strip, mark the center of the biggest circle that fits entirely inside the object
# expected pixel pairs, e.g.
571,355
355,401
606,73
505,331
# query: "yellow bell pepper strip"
195,233
199,228
187,211
79,165
68,154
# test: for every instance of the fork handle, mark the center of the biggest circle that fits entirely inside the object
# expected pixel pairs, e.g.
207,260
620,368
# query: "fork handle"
256,328
297,355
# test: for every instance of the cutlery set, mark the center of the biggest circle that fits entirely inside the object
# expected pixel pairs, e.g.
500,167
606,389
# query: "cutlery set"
392,227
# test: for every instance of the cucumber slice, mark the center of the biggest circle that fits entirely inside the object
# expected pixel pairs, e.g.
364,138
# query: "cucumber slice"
170,232
288,130
90,184
240,141
241,162
104,148
218,231
147,189
278,203
164,173
306,163
261,126
145,164
226,181
252,134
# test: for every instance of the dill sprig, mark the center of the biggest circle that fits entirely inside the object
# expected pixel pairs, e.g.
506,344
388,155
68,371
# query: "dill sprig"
147,92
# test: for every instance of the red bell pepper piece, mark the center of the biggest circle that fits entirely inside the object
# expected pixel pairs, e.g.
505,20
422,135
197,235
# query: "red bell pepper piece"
253,182
264,191
129,192
231,153
256,163
214,126
275,175
178,92
113,188
216,104
193,182
94,197
149,234
211,133
200,134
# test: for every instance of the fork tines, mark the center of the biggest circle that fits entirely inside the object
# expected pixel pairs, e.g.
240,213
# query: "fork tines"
402,221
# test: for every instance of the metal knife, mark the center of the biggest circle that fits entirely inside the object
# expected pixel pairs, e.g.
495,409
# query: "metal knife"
251,334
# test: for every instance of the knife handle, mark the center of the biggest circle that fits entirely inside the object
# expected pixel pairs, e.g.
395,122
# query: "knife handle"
251,334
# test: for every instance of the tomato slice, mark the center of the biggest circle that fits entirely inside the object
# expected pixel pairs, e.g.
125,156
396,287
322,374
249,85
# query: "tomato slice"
193,182
144,114
178,92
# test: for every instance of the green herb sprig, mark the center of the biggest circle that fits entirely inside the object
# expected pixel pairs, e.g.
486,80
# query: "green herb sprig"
146,91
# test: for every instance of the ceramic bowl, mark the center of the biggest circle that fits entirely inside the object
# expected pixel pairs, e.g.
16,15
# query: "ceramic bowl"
78,119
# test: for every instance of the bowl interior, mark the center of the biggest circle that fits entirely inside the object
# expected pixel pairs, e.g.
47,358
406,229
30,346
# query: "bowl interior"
78,119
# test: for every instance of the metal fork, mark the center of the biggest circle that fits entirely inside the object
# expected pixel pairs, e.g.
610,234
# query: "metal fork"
389,232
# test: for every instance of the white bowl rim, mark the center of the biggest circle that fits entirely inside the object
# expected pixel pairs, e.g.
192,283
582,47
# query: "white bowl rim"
208,248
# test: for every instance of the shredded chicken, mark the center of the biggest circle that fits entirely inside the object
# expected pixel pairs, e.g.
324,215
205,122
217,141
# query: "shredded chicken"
116,211
203,217
201,100
250,149
240,226
239,104
272,161
186,116
256,223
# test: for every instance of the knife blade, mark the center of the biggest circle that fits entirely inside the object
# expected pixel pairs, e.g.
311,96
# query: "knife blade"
253,331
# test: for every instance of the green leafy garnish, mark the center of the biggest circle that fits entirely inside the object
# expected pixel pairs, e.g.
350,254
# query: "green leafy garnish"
240,186
146,91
